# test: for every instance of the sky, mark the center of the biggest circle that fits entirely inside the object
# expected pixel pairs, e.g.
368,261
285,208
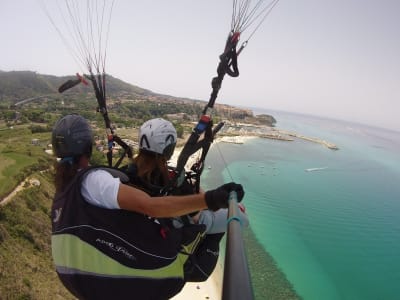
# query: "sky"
330,58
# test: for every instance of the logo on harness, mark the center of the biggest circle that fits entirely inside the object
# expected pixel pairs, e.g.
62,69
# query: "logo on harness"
116,248
215,253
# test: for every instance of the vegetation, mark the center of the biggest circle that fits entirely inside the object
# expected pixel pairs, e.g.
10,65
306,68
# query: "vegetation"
19,157
27,97
27,271
19,85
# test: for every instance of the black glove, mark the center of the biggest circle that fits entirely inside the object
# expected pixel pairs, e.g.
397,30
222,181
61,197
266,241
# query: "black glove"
219,197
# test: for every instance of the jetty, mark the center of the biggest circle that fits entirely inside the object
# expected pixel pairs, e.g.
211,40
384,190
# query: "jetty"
235,133
232,139
315,140
276,136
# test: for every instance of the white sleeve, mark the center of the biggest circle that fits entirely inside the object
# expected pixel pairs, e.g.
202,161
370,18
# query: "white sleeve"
100,188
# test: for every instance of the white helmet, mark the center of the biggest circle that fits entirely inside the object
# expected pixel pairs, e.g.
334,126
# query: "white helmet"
158,136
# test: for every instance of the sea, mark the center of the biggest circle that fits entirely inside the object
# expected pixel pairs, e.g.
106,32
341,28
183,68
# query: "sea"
329,219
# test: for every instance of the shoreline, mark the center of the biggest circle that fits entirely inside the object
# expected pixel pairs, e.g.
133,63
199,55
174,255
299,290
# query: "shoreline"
211,289
224,139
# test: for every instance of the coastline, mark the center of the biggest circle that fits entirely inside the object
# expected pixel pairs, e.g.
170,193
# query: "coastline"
237,139
267,278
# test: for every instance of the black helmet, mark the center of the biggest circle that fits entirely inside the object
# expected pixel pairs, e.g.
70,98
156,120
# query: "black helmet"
72,136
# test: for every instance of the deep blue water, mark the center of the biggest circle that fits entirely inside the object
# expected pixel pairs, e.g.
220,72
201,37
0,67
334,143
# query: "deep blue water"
335,233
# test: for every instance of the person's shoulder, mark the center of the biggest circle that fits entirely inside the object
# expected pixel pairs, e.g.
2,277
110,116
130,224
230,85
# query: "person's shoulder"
95,172
107,173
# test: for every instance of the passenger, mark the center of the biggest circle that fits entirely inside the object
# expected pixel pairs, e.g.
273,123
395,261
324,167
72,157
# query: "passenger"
150,171
106,242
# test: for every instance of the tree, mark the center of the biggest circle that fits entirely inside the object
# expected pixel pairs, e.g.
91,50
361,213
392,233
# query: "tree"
179,130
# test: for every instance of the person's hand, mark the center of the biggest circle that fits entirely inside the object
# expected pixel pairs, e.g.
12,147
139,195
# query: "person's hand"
218,198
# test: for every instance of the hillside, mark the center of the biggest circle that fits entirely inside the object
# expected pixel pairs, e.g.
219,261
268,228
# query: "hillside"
26,268
18,85
21,92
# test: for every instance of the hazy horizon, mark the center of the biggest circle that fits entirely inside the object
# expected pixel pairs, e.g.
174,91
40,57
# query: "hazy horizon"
254,109
336,59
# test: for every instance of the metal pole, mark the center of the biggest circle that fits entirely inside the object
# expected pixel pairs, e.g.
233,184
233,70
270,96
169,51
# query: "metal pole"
237,282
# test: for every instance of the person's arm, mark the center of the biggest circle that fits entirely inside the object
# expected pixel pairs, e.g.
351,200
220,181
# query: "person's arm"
133,199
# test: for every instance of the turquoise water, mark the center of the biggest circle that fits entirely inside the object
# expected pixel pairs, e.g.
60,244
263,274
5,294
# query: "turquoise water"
335,233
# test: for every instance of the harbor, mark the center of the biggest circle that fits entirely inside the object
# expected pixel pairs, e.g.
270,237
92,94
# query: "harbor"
238,133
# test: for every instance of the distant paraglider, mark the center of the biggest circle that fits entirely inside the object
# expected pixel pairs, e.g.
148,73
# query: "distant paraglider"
71,83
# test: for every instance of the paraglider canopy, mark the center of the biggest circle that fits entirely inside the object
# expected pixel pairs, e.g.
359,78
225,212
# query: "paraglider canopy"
83,26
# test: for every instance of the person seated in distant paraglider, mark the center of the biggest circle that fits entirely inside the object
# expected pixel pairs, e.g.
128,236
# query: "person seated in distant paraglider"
106,240
150,172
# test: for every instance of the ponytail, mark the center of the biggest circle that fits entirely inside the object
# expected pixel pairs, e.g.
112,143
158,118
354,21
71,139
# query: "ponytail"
66,169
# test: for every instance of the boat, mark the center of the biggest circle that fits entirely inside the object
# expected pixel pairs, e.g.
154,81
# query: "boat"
315,169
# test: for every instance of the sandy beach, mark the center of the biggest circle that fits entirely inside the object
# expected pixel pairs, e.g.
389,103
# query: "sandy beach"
225,139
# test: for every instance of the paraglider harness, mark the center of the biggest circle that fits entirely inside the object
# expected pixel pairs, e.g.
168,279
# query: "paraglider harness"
203,260
104,253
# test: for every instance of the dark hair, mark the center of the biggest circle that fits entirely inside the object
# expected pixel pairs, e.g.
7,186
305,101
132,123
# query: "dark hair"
65,172
152,167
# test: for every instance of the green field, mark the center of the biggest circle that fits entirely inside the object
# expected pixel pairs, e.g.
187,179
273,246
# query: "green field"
19,157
